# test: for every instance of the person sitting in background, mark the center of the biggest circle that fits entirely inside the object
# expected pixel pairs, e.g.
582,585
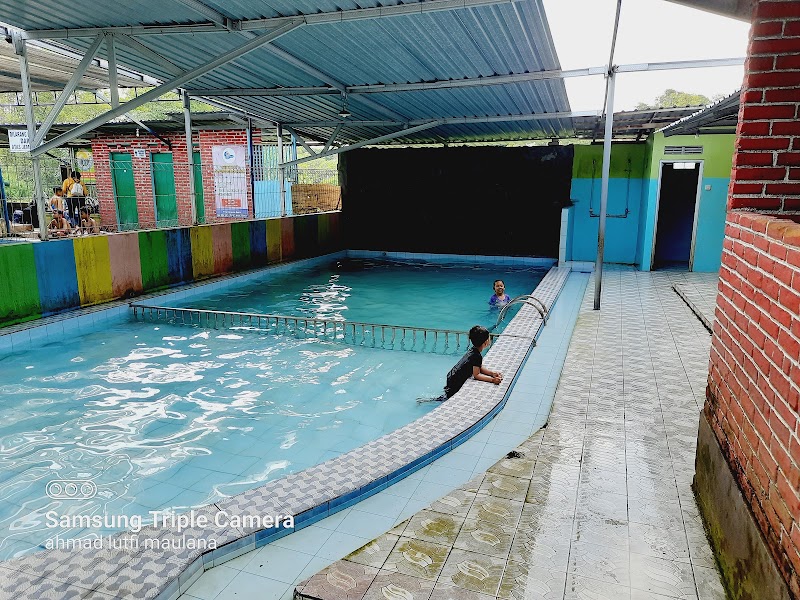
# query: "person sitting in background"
57,200
87,224
500,298
59,226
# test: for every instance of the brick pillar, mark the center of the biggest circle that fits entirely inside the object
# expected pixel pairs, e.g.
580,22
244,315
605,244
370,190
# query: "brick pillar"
766,173
753,394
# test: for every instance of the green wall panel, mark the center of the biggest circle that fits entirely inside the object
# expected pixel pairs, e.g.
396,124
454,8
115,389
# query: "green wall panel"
717,153
588,161
240,241
19,289
154,259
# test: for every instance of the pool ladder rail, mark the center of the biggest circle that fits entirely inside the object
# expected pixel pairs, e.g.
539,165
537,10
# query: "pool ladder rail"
376,335
528,299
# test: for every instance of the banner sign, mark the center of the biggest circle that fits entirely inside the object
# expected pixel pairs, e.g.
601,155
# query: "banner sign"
18,140
84,162
230,180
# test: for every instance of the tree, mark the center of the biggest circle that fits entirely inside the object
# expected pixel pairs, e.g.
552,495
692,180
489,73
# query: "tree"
675,99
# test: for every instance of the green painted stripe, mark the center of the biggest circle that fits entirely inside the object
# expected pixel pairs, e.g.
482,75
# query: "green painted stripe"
19,288
627,160
240,241
154,260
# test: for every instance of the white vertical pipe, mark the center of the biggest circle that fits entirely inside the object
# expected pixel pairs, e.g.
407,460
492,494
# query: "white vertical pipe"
251,162
281,171
31,122
187,123
112,70
601,232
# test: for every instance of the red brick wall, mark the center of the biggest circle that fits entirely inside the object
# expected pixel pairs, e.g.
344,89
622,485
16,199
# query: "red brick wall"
102,146
754,376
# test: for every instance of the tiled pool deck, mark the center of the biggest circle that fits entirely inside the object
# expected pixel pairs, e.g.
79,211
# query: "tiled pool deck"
700,294
598,505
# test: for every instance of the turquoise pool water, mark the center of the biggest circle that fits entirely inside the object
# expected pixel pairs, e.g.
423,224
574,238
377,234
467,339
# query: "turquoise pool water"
164,417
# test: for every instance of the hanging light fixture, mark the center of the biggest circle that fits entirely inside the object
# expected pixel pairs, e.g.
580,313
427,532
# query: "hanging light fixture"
344,113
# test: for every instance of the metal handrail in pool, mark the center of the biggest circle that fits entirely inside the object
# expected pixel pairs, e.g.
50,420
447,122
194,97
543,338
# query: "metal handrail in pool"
376,335
528,299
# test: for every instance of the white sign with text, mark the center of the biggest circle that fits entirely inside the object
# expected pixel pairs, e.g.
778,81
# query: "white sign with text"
18,140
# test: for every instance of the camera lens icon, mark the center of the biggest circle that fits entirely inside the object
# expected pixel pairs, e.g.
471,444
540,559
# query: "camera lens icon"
71,489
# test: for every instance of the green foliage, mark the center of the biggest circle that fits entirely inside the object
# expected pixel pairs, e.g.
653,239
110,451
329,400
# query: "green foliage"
87,107
675,99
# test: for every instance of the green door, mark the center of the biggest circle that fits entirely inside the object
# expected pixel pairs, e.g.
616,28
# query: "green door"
124,191
199,200
164,189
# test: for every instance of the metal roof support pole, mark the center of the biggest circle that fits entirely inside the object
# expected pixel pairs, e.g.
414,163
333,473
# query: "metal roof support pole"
25,76
601,232
187,123
111,55
281,171
252,163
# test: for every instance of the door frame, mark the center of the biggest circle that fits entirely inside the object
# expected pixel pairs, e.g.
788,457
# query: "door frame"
112,171
661,163
153,186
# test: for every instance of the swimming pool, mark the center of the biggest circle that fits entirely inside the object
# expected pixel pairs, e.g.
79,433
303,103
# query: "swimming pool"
172,417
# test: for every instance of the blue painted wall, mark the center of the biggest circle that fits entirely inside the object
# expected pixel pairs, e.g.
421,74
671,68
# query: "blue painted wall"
625,192
711,224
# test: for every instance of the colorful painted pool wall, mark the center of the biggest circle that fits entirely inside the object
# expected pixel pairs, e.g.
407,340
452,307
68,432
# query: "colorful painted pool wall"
633,199
39,279
716,158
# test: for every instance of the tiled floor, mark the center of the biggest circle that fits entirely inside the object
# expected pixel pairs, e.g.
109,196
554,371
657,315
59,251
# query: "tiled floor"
699,291
598,506
274,570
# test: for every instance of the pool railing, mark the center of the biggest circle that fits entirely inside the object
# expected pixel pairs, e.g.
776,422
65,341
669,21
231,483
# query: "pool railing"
375,335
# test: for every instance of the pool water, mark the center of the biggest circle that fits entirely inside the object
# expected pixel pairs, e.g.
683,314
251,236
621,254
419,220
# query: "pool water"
168,417
414,294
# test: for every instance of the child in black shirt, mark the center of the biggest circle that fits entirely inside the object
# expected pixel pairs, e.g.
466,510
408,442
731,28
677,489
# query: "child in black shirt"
470,365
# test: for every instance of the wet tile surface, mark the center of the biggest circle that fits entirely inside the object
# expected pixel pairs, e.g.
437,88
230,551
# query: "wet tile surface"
597,505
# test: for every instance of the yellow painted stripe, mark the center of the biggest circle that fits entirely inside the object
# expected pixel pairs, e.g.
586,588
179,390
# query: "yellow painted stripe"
93,267
202,252
274,240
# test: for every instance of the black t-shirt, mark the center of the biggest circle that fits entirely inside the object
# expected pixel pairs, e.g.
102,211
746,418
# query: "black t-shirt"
462,371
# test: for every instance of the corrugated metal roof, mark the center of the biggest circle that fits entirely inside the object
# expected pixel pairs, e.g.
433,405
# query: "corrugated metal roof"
720,117
632,124
468,42
50,71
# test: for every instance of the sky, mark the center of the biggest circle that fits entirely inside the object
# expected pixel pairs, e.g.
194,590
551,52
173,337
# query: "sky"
649,31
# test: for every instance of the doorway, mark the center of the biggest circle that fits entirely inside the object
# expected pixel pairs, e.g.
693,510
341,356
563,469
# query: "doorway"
124,191
164,189
199,197
679,191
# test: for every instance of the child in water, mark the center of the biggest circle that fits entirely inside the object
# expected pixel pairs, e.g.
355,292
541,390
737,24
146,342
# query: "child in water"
500,298
470,365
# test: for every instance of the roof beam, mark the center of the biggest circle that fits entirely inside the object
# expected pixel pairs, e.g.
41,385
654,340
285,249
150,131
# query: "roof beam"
171,84
220,23
736,9
302,141
377,140
451,120
67,92
332,139
353,90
